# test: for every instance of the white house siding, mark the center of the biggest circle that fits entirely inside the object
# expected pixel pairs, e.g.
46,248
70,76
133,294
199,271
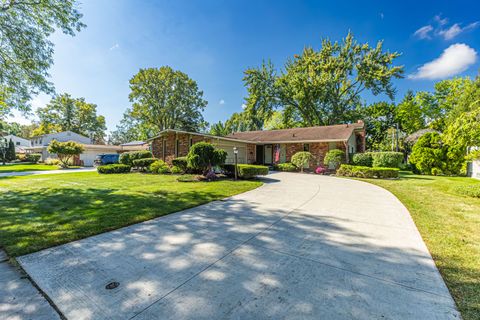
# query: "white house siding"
476,169
20,143
228,147
65,136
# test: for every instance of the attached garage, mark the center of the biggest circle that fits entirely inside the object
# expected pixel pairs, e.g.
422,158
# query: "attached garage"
92,151
228,147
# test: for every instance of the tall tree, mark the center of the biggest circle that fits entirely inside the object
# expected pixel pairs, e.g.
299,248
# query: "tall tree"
167,99
131,129
410,115
26,53
75,114
323,87
379,119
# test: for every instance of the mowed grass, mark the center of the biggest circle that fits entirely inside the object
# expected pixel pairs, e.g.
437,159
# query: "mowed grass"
22,167
37,212
450,226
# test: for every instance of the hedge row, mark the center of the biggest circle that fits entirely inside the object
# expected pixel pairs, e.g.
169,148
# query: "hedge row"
128,157
113,168
249,171
143,163
387,159
287,167
367,172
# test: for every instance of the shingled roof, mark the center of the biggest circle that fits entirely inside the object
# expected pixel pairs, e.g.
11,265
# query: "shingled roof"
340,132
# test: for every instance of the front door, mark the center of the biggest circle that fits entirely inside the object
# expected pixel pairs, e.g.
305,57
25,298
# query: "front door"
259,155
268,154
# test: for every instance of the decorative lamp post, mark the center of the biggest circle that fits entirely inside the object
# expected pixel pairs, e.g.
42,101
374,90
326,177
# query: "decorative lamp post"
235,152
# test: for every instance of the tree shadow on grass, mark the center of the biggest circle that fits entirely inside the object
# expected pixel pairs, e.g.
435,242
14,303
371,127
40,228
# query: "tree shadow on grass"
34,220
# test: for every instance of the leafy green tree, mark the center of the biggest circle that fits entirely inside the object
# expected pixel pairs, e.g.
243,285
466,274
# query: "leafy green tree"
65,151
464,131
409,114
379,119
219,129
75,114
323,87
167,99
131,129
10,155
203,156
302,159
430,155
26,53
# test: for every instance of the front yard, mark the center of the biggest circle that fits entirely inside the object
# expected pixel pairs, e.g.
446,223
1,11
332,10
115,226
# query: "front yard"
37,212
21,167
450,226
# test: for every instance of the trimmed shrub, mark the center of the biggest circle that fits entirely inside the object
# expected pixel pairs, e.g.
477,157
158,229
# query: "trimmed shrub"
367,172
287,167
249,171
144,163
113,168
302,159
334,158
363,159
176,170
52,162
472,190
181,162
33,157
159,166
228,169
128,157
203,156
387,159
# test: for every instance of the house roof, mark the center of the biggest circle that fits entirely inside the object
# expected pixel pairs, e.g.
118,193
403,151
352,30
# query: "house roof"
133,143
340,132
198,134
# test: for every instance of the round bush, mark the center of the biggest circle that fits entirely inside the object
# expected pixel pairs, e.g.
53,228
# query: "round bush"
334,158
287,167
302,159
363,159
33,157
159,166
143,163
180,162
176,170
203,156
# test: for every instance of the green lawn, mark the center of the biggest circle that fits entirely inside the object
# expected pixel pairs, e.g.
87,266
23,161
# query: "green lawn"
450,226
38,212
21,167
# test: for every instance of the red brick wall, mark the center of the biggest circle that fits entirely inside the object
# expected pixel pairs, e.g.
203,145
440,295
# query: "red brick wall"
171,138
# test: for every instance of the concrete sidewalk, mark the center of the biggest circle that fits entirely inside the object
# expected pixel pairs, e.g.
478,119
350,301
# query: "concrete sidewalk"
299,247
29,173
19,299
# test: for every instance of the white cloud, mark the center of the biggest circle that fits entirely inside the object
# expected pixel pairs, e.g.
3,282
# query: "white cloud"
455,30
423,32
454,60
244,106
221,102
115,46
441,21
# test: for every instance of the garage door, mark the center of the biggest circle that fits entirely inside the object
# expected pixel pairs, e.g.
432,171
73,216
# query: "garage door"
88,157
241,157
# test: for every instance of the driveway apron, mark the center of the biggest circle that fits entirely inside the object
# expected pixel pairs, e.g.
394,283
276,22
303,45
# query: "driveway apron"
299,247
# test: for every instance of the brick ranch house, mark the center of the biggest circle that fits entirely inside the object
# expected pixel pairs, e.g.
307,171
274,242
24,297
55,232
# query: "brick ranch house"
266,147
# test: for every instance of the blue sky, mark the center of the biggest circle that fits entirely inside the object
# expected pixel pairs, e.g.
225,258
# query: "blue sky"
215,41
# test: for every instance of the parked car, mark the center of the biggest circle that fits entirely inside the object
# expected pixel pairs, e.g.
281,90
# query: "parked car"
103,159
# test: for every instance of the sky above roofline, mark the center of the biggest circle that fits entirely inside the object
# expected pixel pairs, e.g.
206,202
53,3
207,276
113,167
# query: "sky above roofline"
215,41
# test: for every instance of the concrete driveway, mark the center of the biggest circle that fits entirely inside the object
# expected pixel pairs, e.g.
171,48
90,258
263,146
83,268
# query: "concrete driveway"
299,247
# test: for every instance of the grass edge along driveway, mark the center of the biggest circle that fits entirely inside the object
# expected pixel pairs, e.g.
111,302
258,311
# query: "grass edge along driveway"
23,167
37,212
450,226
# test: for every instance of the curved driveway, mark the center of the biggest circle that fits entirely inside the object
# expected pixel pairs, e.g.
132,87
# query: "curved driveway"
299,247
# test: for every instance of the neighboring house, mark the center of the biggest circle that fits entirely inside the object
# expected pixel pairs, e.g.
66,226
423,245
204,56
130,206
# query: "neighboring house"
20,143
134,146
473,168
266,147
40,144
